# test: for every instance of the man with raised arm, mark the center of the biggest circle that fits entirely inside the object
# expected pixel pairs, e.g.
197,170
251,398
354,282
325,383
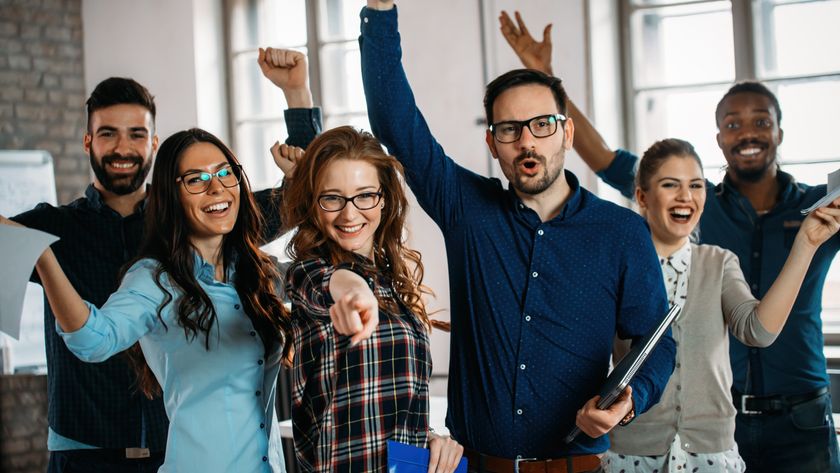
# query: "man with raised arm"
543,274
99,422
784,421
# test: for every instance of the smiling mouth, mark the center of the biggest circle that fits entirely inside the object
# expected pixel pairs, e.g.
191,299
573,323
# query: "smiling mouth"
681,214
350,229
216,208
749,150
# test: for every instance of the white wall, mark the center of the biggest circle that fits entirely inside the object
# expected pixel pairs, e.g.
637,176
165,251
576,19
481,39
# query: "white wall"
156,44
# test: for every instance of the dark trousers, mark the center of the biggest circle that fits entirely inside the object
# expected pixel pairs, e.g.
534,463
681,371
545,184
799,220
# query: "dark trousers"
799,440
102,461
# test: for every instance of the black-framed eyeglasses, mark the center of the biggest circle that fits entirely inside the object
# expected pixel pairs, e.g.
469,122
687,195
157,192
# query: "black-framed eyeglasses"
196,182
336,203
541,126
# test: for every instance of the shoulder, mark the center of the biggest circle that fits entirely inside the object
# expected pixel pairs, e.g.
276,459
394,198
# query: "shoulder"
606,212
712,258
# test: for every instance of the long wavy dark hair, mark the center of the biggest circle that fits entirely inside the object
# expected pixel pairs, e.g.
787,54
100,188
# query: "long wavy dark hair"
167,241
300,209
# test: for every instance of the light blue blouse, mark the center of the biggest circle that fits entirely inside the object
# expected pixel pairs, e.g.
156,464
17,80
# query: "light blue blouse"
220,401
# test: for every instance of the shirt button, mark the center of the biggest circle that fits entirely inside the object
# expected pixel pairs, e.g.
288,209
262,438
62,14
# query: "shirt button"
679,408
756,254
519,457
236,306
519,412
259,362
679,387
522,366
754,287
253,333
521,206
258,393
265,459
540,232
262,426
678,365
535,274
527,318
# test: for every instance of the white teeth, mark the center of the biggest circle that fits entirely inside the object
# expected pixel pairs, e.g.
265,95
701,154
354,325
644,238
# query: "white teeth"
749,151
217,207
681,212
122,165
353,229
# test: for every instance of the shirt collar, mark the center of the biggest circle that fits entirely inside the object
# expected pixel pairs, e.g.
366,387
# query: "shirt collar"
680,260
96,202
207,273
788,187
570,208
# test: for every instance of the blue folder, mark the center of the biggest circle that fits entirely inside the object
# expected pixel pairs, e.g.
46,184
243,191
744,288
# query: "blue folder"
403,458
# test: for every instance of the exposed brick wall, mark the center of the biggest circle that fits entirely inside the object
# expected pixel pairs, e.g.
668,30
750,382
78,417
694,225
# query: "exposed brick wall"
42,91
23,423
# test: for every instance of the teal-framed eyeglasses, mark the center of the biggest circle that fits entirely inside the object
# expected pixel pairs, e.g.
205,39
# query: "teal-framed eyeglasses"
196,182
541,126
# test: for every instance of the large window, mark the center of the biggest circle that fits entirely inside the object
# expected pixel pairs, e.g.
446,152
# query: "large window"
327,32
683,55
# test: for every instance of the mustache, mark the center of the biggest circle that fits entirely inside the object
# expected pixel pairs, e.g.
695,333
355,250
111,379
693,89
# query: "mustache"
530,154
133,158
750,142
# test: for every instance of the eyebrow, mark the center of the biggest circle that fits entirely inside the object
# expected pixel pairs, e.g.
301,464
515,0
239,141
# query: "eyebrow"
215,168
359,189
755,110
113,128
668,178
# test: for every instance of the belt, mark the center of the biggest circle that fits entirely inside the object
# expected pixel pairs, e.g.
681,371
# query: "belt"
113,453
749,404
490,464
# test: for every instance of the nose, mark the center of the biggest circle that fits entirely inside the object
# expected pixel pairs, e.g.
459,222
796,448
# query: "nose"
122,146
684,194
215,186
526,138
349,211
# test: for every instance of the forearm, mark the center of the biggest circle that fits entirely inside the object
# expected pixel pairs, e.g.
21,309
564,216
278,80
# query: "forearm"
70,310
380,4
775,306
589,144
298,98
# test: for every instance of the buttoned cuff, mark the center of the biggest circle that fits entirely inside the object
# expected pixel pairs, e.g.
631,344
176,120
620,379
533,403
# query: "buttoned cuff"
379,22
303,125
621,173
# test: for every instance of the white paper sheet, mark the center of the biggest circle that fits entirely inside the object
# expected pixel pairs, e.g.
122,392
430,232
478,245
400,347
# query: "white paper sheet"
831,193
20,249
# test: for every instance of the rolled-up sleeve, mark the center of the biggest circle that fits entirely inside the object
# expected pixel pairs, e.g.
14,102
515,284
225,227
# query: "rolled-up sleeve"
621,173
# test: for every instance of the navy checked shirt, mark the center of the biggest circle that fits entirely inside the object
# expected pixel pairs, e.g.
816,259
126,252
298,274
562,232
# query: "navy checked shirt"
795,362
535,305
348,401
97,403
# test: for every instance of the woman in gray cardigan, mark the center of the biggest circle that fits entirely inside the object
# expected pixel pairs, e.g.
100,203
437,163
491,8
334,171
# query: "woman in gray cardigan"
693,425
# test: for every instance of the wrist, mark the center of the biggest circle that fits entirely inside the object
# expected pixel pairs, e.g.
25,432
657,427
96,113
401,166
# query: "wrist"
380,4
298,97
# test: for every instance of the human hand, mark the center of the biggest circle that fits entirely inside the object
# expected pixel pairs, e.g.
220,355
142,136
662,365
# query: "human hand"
445,453
286,157
820,225
356,314
380,4
596,422
287,70
11,223
533,55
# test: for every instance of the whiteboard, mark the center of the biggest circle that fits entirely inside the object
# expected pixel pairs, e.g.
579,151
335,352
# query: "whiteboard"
27,178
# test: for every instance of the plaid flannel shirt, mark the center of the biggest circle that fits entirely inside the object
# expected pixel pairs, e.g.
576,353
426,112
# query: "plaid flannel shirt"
348,401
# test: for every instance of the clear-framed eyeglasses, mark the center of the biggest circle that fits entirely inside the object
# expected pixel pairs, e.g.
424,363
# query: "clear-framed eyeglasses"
541,127
336,203
196,182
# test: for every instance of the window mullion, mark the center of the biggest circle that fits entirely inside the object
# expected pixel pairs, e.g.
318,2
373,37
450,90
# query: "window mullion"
744,40
314,51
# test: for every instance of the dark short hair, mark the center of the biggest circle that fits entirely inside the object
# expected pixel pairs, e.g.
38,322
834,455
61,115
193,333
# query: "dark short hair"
118,91
519,77
751,87
658,153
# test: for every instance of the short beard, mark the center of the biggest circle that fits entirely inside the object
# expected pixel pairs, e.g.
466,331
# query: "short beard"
542,184
128,184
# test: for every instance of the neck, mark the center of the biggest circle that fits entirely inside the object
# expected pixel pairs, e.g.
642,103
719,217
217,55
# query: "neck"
124,205
210,250
762,194
548,203
667,248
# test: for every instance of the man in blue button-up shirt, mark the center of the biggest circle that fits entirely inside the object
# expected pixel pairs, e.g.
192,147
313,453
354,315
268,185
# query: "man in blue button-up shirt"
784,421
543,274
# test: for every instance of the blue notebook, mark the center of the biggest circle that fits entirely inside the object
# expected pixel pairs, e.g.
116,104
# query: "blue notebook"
403,458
